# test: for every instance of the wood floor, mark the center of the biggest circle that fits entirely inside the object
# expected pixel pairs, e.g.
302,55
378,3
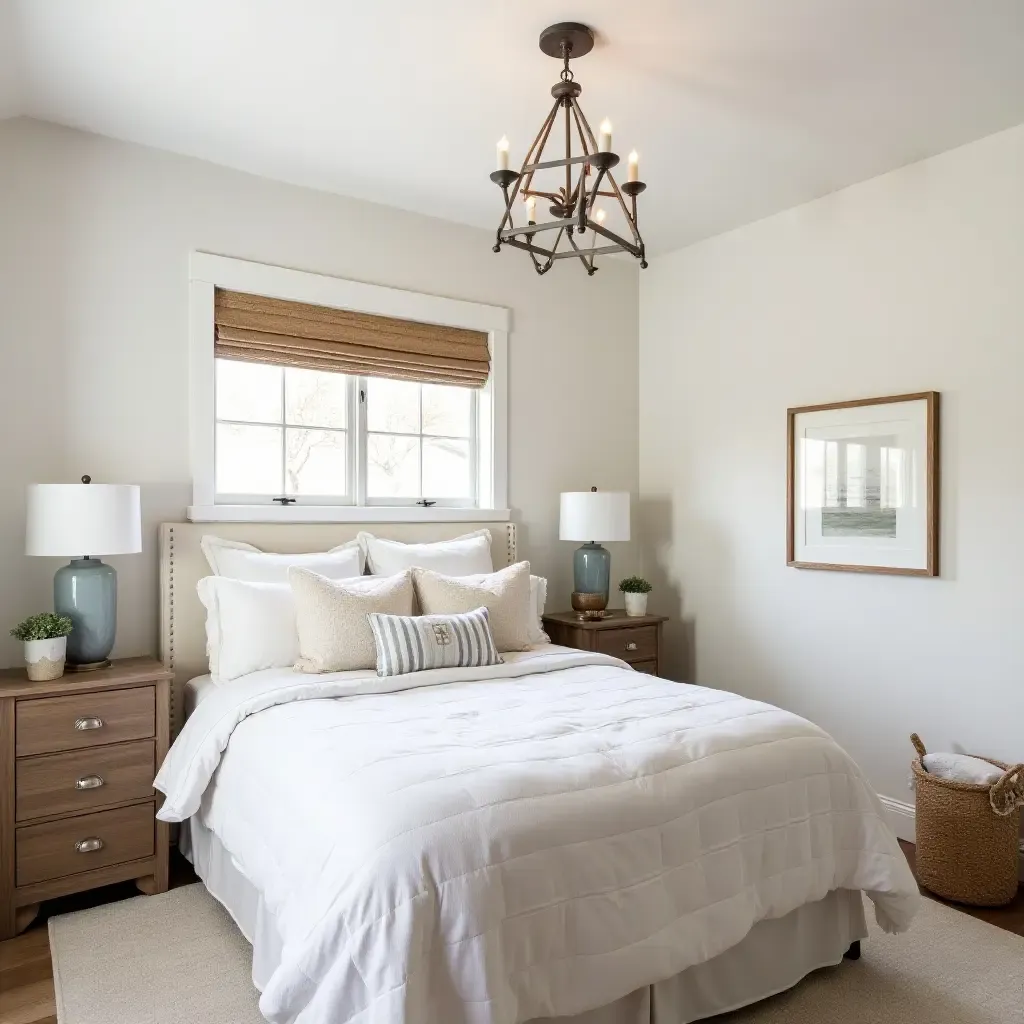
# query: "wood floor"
26,978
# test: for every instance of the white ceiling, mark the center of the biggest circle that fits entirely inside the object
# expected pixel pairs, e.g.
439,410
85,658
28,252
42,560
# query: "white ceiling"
739,108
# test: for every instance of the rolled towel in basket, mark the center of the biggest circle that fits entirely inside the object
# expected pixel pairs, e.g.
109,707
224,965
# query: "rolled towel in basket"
962,768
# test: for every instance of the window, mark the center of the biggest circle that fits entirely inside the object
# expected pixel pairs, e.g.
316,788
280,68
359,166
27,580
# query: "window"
330,438
290,421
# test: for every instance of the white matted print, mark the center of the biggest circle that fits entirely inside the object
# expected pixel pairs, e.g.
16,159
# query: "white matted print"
863,485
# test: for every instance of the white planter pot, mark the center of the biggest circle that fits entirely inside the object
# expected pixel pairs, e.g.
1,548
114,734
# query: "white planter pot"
636,604
44,659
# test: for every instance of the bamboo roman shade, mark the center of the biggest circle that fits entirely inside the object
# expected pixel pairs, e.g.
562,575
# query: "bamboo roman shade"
257,329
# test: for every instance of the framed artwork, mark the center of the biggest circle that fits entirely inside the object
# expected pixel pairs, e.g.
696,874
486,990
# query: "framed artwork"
863,485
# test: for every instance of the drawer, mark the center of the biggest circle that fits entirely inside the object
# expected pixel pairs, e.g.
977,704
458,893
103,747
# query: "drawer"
49,724
85,842
636,643
650,667
80,780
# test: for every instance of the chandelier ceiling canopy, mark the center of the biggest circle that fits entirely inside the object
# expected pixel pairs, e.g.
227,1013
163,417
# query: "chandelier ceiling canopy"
583,172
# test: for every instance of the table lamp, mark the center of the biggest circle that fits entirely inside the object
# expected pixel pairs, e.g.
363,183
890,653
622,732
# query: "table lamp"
593,516
84,520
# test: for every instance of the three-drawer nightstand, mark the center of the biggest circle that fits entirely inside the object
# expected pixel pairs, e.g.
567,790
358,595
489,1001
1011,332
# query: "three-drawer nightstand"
633,639
77,806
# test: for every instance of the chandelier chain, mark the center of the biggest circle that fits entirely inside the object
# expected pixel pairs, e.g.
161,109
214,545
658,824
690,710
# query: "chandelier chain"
566,75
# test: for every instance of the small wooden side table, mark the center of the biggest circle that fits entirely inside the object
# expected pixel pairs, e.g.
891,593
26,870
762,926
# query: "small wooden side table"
77,806
633,639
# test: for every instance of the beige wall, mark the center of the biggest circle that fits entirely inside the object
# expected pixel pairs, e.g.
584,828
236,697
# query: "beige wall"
94,244
908,282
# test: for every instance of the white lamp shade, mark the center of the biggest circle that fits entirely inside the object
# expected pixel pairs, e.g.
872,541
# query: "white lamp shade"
75,520
594,515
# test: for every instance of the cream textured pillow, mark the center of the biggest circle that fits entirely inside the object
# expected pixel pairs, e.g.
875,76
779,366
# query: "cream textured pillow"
331,617
505,594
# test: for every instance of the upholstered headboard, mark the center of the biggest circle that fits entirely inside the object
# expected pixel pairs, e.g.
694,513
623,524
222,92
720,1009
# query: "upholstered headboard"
182,565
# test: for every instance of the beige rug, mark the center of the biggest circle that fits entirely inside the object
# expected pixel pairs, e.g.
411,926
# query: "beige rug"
178,957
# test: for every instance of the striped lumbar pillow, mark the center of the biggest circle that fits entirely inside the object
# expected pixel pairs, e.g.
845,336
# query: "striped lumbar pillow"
413,643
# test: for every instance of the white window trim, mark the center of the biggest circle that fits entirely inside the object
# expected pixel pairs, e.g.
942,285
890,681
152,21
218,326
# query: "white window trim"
207,272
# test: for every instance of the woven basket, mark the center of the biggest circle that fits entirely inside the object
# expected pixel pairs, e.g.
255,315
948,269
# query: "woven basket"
967,835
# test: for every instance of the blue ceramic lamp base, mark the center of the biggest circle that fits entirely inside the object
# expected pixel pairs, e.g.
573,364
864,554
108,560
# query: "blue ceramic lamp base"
86,591
591,570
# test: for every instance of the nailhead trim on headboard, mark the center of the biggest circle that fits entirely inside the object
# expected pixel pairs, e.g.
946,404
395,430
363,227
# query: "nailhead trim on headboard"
170,629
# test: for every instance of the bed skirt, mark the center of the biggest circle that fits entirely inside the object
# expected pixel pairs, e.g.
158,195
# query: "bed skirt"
773,957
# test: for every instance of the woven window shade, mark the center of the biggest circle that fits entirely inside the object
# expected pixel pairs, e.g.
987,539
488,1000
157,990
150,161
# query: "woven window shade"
257,329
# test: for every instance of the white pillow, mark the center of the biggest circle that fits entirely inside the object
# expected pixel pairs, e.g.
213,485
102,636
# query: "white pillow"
962,768
242,561
538,598
332,617
461,556
505,594
249,626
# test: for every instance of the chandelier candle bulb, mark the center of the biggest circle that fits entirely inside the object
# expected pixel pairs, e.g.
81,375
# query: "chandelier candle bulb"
531,209
604,141
503,154
634,167
599,216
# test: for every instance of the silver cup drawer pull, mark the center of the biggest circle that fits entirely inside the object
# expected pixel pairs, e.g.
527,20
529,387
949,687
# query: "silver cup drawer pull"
631,646
85,724
89,782
89,845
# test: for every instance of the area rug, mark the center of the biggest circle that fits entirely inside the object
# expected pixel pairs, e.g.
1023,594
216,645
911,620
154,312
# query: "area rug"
179,957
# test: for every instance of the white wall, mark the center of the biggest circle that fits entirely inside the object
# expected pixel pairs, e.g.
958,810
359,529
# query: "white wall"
94,244
909,282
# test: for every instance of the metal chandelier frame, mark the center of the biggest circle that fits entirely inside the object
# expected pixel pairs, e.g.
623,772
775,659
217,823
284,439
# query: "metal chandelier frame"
572,205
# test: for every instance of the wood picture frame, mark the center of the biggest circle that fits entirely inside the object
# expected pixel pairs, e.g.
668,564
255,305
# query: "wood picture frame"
916,475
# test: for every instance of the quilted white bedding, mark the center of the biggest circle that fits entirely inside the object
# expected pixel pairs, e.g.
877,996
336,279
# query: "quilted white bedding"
532,839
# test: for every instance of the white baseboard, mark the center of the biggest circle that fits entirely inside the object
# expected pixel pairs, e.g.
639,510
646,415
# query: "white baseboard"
901,820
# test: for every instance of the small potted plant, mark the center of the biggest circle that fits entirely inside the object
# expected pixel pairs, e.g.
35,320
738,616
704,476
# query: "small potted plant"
45,637
636,589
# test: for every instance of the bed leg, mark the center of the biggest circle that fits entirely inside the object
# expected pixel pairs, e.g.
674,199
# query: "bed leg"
853,953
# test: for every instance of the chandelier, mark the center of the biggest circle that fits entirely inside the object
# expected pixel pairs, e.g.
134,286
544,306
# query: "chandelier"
573,205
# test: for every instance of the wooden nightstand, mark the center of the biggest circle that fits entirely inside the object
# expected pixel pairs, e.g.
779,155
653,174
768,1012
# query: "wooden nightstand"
77,806
636,640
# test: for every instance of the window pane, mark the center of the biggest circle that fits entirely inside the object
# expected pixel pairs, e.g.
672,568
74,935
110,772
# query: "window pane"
315,398
248,391
446,410
315,462
392,466
248,459
446,468
393,405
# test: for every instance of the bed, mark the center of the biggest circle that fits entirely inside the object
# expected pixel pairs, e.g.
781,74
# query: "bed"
554,837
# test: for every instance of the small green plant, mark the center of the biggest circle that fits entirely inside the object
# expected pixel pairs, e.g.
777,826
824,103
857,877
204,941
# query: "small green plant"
44,626
635,585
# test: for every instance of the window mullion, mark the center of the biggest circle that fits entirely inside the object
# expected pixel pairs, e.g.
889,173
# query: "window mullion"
474,468
284,436
362,439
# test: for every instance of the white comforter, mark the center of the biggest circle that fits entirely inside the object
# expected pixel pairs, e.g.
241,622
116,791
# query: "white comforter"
527,840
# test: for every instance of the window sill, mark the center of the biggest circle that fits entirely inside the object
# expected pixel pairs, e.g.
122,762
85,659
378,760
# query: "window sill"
343,514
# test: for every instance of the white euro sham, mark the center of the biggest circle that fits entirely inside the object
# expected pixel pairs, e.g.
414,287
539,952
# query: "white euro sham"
460,556
243,561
